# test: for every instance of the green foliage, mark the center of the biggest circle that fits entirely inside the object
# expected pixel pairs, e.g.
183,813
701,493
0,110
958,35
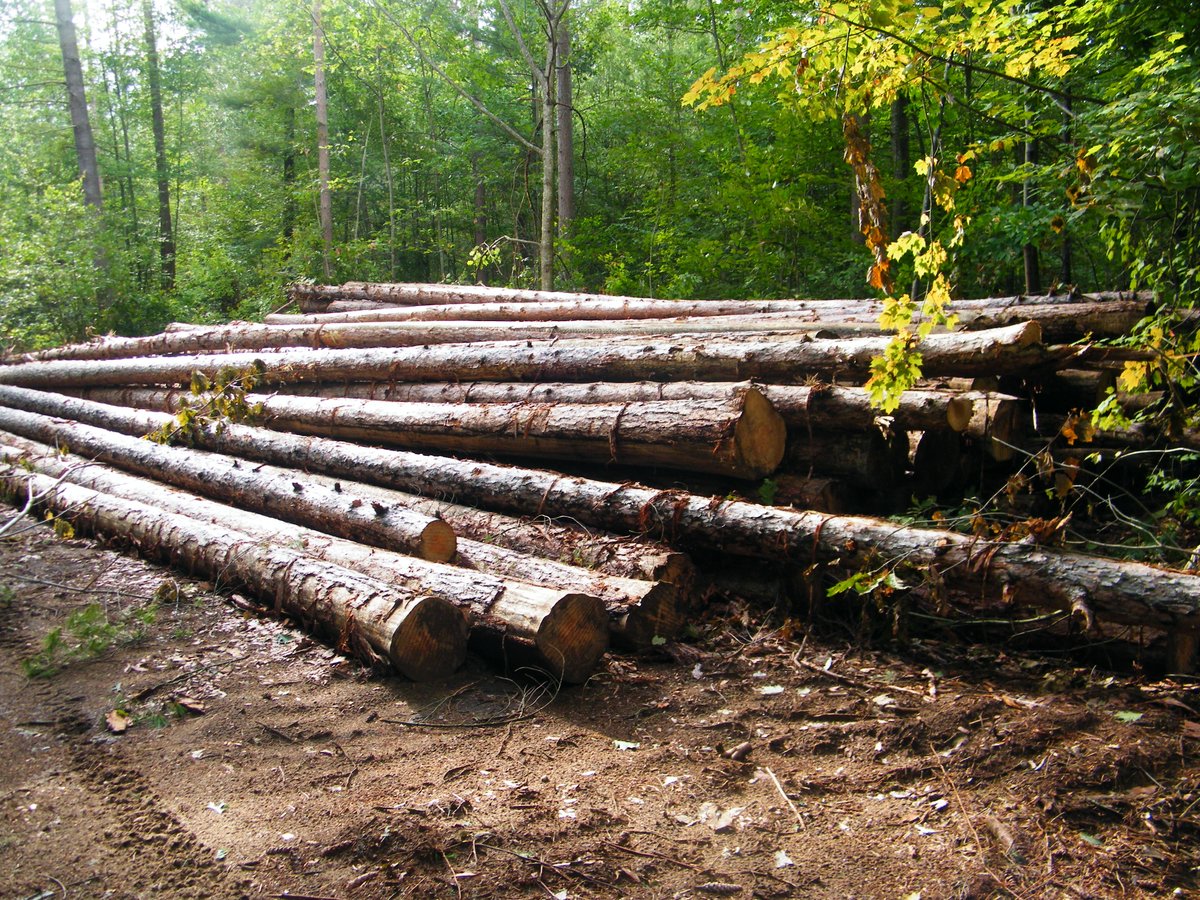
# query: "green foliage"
88,633
213,404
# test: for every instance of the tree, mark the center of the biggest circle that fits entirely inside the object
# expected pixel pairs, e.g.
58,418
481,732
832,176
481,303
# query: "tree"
166,236
85,145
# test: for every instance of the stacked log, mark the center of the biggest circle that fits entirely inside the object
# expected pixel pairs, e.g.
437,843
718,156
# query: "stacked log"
368,435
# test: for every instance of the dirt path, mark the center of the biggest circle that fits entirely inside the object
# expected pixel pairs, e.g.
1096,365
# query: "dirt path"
261,764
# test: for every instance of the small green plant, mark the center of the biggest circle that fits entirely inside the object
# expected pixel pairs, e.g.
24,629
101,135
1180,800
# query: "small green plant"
86,634
767,491
213,403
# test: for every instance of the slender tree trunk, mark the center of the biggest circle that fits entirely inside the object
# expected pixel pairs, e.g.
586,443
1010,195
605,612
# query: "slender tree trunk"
325,211
546,239
387,174
85,145
566,131
901,164
1029,253
166,237
289,176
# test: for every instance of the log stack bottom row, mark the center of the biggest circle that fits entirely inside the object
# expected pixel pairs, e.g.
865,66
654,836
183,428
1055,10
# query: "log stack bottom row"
544,497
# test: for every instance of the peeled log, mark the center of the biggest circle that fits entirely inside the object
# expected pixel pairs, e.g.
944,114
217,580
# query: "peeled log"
1037,576
280,492
423,637
822,406
566,629
741,436
1013,349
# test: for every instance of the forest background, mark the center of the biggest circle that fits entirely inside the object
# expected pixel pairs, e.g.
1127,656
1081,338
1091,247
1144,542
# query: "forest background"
668,148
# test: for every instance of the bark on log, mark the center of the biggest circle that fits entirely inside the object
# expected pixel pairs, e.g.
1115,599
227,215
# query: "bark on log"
1038,576
426,294
1058,325
1060,321
739,436
566,629
280,492
1015,349
865,459
423,637
998,424
826,495
939,463
826,407
1069,389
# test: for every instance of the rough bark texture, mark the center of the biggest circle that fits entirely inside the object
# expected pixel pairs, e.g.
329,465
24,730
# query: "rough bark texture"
85,144
866,459
166,235
1020,572
829,407
279,492
1015,349
569,632
740,437
423,637
439,294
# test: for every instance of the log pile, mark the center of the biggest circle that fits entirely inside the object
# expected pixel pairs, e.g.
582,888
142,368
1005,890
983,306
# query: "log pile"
400,465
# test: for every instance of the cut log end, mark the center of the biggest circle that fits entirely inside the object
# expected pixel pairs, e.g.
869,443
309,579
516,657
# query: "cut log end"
958,413
760,436
438,543
431,642
573,637
656,615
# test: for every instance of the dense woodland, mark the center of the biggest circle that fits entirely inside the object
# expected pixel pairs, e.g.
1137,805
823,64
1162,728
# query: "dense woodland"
666,148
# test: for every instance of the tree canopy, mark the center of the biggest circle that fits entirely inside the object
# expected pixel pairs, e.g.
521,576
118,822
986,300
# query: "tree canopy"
912,149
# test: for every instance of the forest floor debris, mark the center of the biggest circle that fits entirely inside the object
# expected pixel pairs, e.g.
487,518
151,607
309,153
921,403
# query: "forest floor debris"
256,762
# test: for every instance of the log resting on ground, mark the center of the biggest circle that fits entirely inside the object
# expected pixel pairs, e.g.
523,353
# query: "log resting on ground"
1018,572
1015,349
423,637
567,629
739,436
280,492
641,610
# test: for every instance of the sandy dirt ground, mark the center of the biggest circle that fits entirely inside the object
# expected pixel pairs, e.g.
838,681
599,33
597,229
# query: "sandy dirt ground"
748,762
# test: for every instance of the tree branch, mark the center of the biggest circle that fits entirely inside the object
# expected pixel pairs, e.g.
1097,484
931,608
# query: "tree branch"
461,91
1059,97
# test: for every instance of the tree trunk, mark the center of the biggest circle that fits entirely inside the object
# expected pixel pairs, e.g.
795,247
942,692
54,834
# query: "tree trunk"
559,625
740,436
901,164
289,177
325,207
284,493
85,145
546,238
1020,572
565,110
166,237
423,637
1015,349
